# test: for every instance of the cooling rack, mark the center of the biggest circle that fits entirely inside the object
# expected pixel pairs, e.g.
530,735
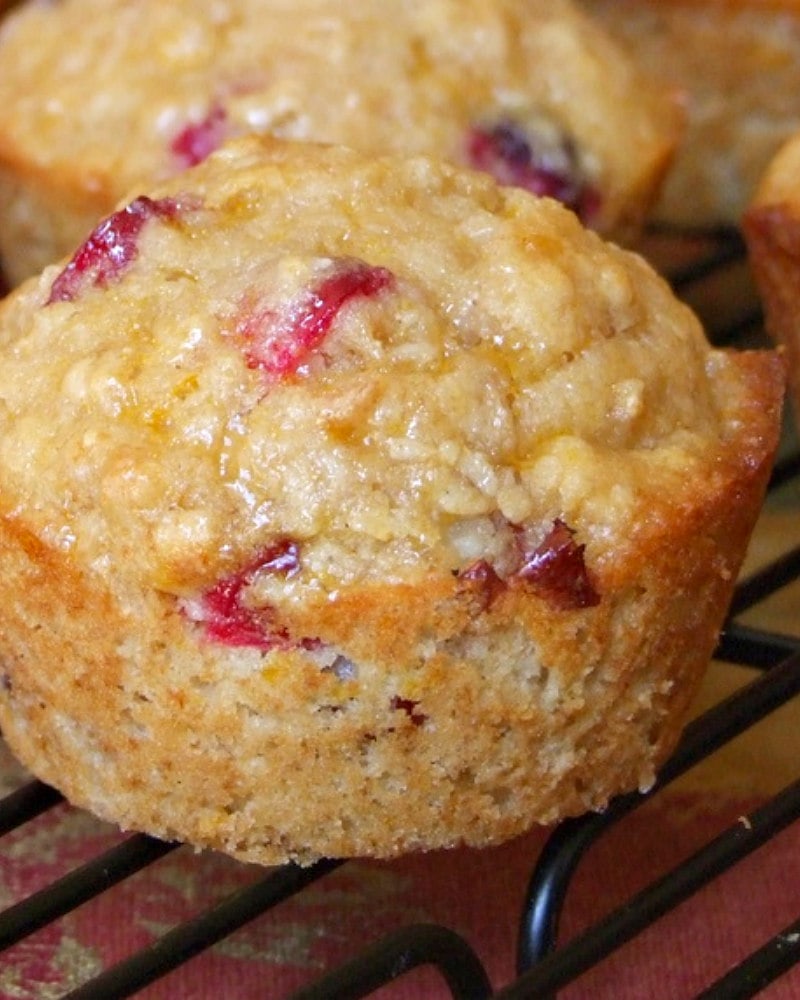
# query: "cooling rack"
710,272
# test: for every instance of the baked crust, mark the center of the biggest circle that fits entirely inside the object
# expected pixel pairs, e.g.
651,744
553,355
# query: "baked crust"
139,90
423,691
736,64
772,232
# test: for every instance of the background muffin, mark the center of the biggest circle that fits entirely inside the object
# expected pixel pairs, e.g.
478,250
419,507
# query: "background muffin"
772,232
357,506
737,63
99,95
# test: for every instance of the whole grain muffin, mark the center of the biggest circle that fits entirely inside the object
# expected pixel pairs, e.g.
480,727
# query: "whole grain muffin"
737,63
98,95
358,505
772,233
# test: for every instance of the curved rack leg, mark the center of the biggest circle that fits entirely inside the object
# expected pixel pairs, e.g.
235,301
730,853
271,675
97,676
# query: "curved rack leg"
549,884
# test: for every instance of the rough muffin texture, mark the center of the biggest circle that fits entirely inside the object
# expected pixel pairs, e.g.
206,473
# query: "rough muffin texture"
737,65
772,232
359,506
528,90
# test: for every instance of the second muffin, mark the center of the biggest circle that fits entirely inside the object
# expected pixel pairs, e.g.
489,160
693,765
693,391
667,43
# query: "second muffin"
99,95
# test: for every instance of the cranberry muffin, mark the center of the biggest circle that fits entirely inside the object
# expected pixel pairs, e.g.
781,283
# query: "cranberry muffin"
772,233
97,96
737,65
354,506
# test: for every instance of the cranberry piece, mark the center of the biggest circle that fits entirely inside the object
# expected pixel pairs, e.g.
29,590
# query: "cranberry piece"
278,342
488,584
407,705
557,571
199,139
513,157
227,620
111,247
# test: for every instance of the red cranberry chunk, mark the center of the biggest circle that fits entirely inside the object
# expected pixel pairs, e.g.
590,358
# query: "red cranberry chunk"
227,620
556,570
111,247
279,341
488,584
538,164
199,139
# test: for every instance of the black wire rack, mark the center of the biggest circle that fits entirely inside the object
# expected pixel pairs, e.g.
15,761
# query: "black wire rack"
710,272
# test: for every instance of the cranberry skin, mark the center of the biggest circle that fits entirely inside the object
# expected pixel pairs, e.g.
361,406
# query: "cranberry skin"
111,247
226,620
409,706
557,571
484,578
279,343
506,152
198,140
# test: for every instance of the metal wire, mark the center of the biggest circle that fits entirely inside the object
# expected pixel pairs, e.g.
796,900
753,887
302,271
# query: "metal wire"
398,954
718,856
564,850
79,886
761,969
25,804
194,936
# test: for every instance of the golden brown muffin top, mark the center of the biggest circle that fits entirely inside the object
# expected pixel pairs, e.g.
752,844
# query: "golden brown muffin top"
397,365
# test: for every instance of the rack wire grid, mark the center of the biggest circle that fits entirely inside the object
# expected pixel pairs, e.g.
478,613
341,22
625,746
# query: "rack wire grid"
710,272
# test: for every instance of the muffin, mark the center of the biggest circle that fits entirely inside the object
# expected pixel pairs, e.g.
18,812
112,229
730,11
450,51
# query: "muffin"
772,233
737,63
98,96
356,506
